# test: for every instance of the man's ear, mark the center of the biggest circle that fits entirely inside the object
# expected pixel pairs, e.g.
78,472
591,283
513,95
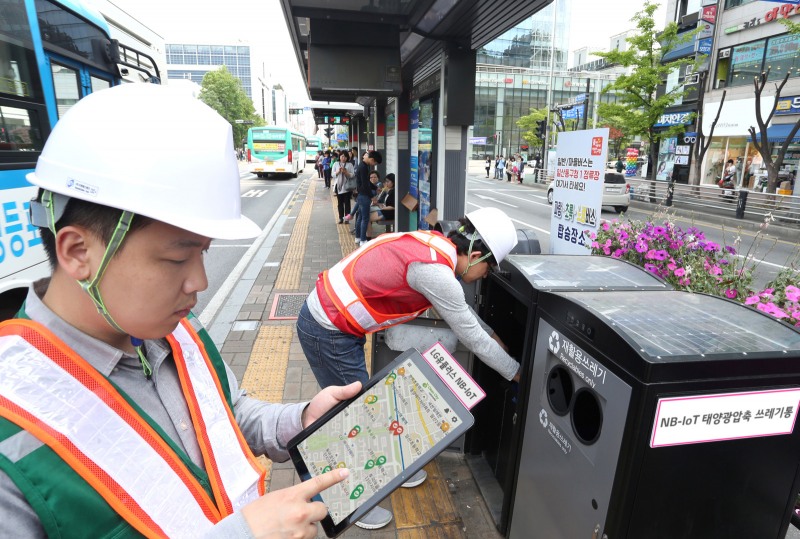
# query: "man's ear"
73,245
475,255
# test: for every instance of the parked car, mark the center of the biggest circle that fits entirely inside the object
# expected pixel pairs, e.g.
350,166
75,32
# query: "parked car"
616,192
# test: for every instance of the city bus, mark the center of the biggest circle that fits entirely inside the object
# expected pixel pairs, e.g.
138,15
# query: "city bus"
276,150
52,53
313,145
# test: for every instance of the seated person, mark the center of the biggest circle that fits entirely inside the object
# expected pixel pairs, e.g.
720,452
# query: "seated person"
383,207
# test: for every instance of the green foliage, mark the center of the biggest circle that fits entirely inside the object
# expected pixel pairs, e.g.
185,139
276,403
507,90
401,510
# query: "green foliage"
793,27
527,125
223,92
639,105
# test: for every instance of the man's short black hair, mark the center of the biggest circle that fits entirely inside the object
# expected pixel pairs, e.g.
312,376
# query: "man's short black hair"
376,156
100,220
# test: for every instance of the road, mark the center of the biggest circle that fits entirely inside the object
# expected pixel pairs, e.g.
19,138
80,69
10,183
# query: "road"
528,208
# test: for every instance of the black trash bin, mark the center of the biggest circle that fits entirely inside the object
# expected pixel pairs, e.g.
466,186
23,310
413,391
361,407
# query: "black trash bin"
658,415
510,302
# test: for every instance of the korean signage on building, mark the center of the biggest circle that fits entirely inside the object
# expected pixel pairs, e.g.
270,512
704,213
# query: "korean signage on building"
577,190
674,118
783,11
788,105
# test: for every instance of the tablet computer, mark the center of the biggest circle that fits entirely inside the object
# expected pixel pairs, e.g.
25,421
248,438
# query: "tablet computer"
403,417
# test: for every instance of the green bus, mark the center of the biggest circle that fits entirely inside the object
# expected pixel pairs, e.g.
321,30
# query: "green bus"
276,150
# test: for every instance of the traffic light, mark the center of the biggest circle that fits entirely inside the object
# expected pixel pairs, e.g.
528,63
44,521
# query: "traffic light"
541,128
329,132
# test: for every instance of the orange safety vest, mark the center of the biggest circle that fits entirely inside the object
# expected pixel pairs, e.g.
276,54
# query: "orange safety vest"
54,394
367,291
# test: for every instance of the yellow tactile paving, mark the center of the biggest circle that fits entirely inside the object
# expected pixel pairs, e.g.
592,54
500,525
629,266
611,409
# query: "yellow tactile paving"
292,264
346,240
265,375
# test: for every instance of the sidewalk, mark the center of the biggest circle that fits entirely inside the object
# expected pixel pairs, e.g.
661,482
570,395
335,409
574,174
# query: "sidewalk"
264,352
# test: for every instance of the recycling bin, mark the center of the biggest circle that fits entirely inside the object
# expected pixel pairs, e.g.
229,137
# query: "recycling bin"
658,415
509,305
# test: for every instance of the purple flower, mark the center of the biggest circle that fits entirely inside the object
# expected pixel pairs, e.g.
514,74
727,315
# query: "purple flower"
651,268
641,246
731,250
661,254
617,253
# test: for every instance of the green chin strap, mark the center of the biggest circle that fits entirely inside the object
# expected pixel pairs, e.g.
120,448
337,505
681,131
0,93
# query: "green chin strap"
472,239
93,287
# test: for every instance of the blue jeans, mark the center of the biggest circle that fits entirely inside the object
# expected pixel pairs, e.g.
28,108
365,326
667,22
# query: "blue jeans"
336,358
363,203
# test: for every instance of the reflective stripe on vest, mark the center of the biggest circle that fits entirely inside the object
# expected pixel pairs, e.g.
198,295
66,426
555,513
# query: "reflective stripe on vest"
342,288
54,394
229,462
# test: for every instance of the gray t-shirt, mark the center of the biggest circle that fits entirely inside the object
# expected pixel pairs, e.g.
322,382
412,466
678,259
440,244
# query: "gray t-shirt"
439,286
266,427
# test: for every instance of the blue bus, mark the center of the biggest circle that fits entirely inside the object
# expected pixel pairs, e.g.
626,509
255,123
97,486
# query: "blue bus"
276,150
52,53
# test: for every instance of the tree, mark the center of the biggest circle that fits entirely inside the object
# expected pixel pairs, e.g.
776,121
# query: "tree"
617,137
793,27
763,145
223,92
703,142
639,104
528,126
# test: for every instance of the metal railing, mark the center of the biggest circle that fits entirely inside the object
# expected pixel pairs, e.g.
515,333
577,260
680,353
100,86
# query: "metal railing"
738,203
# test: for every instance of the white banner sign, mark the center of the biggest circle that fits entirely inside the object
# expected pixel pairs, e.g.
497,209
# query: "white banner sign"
577,190
730,416
460,383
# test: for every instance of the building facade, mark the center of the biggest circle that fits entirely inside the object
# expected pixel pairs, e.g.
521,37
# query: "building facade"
736,40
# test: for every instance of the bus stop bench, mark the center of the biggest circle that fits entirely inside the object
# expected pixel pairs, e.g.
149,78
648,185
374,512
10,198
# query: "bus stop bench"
387,225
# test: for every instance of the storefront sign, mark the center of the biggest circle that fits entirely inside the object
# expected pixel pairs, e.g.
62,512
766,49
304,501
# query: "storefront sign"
788,105
704,46
709,14
577,190
784,11
480,141
674,118
736,117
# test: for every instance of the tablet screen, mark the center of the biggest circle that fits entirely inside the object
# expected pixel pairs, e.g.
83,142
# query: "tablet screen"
399,418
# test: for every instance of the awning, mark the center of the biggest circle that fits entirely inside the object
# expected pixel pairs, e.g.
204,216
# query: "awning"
778,133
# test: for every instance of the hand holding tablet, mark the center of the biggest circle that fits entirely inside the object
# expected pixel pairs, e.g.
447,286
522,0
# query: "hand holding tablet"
404,416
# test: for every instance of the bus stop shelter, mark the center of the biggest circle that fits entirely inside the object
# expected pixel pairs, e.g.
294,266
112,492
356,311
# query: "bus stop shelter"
411,65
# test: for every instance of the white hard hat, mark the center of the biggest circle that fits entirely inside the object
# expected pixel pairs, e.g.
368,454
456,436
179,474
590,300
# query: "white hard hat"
150,150
496,230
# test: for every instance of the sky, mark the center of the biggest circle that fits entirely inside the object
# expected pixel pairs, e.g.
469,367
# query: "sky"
261,24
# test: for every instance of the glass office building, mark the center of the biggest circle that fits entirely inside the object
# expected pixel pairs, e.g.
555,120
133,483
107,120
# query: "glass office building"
192,62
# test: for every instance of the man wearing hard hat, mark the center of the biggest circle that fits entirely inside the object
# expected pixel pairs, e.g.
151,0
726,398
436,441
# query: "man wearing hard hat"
393,279
118,417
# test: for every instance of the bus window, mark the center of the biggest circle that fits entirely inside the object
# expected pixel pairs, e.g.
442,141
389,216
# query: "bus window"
19,130
99,84
67,87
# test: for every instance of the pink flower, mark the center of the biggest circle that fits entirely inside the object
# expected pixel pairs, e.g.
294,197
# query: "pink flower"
751,300
731,293
792,293
671,266
605,225
680,272
767,292
617,253
771,308
650,254
595,245
715,270
641,246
